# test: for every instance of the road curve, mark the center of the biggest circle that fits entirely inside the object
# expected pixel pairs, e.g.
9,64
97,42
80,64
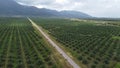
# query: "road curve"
70,61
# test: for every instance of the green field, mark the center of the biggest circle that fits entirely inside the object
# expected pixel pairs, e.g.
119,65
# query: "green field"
91,43
95,44
21,46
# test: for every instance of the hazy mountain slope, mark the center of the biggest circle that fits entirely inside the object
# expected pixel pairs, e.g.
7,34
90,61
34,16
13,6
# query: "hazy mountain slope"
11,8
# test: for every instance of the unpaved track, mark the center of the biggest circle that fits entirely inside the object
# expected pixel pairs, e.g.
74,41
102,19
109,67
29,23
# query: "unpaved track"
71,62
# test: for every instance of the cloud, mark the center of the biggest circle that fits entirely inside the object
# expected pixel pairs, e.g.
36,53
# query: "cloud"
99,8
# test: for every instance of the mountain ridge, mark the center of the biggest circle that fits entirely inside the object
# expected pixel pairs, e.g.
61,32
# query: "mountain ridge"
12,8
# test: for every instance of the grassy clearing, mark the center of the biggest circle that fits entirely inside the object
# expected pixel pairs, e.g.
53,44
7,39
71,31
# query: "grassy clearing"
116,37
117,65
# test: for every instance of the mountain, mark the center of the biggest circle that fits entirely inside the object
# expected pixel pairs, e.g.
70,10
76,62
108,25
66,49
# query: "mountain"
74,14
12,8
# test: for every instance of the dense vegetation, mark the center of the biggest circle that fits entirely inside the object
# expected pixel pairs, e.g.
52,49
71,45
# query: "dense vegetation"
94,43
22,47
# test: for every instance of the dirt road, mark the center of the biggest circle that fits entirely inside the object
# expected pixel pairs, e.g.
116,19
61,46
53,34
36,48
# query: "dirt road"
71,62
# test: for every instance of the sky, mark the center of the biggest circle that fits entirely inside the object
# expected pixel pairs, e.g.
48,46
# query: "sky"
97,8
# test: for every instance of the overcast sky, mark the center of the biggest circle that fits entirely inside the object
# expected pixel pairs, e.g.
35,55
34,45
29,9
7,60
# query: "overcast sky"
99,8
